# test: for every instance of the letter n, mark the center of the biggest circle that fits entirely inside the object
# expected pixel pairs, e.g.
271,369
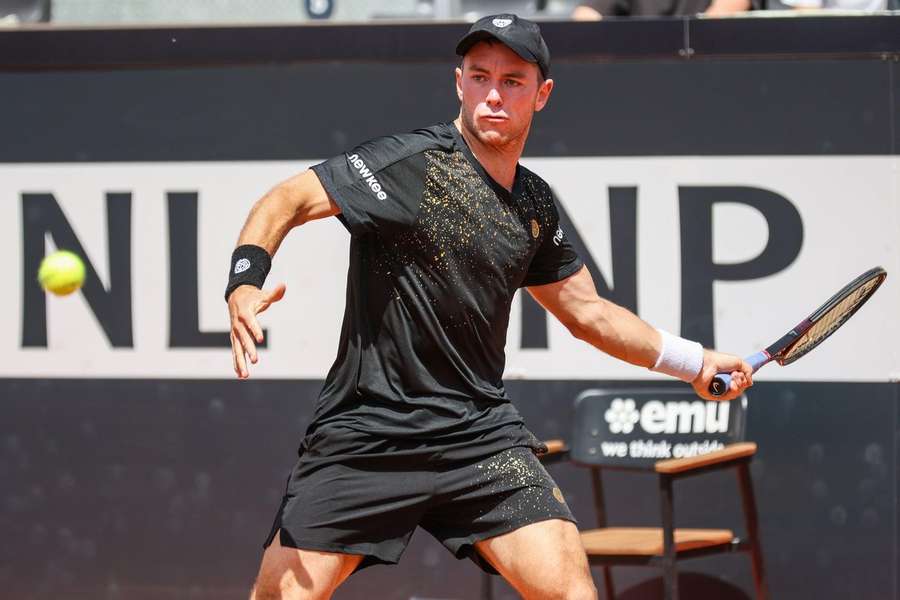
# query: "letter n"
42,216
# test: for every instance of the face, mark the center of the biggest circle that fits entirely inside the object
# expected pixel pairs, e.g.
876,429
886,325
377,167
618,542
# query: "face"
499,93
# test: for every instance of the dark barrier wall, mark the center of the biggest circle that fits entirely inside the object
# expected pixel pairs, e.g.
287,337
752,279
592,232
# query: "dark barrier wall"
165,487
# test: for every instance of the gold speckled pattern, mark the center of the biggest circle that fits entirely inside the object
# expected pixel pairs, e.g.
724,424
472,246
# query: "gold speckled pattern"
519,469
465,233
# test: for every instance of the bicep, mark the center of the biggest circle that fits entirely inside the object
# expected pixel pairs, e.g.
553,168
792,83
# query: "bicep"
568,298
308,199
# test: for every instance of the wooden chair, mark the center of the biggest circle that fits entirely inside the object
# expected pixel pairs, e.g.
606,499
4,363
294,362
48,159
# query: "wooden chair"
661,546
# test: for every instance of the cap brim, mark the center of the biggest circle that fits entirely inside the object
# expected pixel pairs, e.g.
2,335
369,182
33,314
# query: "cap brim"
474,37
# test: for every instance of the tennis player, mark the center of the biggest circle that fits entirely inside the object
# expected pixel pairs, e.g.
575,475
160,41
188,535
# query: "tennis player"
413,427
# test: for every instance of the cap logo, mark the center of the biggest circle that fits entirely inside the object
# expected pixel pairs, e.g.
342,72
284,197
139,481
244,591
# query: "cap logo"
501,23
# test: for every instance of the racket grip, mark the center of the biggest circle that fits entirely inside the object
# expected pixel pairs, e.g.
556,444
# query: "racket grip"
721,383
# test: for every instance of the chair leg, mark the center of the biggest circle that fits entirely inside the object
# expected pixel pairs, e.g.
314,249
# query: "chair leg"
752,525
487,586
670,572
608,584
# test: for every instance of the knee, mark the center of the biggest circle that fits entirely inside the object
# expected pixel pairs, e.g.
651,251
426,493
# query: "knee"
583,589
266,588
269,587
569,589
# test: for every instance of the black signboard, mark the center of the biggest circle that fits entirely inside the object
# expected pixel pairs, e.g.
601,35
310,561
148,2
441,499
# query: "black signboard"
636,427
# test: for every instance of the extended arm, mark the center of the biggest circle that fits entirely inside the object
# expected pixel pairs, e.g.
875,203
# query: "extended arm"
291,203
620,333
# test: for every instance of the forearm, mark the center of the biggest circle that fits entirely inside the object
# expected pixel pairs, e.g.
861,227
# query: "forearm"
269,221
618,332
289,204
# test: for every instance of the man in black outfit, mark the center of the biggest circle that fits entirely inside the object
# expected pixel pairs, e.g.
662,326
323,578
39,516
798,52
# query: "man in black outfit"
413,426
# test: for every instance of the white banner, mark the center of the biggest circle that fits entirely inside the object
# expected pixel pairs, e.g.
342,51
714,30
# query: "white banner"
848,207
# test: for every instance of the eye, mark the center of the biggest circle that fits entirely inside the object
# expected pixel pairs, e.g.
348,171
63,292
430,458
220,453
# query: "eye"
478,78
513,83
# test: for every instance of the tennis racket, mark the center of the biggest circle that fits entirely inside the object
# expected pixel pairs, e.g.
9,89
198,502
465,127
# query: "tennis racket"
813,330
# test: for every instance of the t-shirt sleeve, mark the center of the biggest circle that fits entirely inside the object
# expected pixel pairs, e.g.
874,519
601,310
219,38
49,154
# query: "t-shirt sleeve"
378,185
555,259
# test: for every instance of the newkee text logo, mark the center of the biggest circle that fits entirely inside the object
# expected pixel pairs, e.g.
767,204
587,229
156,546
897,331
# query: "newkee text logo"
367,175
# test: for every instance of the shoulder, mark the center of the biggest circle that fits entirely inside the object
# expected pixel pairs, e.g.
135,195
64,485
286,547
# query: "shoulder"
384,151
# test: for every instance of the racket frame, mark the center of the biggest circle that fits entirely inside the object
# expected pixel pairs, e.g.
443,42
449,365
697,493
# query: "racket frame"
721,383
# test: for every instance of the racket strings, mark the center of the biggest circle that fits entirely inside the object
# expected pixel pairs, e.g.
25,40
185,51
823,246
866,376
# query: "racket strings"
831,320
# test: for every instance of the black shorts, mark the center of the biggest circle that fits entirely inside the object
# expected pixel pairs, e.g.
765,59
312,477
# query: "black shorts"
371,505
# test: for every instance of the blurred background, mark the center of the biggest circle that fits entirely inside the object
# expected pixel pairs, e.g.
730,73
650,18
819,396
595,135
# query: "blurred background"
295,11
722,165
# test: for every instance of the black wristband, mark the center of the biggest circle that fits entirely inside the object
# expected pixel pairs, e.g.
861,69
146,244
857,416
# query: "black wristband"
249,266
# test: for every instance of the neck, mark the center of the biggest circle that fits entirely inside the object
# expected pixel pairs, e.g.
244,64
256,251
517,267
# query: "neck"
499,162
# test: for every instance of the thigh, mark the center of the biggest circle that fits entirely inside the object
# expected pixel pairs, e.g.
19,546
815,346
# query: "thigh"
291,573
542,560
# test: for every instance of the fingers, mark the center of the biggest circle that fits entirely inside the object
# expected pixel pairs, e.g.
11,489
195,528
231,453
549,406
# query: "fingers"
243,333
244,304
271,297
255,330
716,362
237,357
726,363
277,293
266,300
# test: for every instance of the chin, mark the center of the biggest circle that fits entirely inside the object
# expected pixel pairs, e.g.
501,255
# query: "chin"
493,137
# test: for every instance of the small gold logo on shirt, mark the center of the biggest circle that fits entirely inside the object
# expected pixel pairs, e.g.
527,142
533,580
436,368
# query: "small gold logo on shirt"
535,229
557,493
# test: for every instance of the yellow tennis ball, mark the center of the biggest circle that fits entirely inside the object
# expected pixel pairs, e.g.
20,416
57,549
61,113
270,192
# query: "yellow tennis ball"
61,272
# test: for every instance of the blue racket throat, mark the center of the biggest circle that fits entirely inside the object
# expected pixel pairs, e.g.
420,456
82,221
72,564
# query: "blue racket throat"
721,383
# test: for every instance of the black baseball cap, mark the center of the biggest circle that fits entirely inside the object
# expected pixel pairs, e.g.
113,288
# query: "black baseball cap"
520,35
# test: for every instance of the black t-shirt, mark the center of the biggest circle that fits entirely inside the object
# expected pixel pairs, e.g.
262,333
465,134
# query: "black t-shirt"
437,251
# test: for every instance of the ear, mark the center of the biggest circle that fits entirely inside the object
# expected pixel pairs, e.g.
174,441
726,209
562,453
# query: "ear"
543,95
459,83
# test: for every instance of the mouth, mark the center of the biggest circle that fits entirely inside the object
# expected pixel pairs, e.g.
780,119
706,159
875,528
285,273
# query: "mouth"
495,119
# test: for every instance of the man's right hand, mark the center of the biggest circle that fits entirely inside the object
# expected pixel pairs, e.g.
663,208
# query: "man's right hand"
244,304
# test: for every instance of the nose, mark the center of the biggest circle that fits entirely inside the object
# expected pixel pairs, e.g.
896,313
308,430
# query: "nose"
493,98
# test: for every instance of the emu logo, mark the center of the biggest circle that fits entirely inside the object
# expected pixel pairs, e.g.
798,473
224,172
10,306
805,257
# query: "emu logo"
367,175
668,417
622,415
501,23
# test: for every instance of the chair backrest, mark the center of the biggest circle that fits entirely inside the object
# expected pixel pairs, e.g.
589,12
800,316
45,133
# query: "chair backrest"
633,428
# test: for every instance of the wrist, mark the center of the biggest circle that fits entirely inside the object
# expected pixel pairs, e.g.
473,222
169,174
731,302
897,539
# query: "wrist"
679,357
250,265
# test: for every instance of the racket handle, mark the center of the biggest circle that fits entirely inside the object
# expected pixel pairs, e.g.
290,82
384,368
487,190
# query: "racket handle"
721,383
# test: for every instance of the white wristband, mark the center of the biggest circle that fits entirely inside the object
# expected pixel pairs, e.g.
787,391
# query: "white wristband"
679,357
